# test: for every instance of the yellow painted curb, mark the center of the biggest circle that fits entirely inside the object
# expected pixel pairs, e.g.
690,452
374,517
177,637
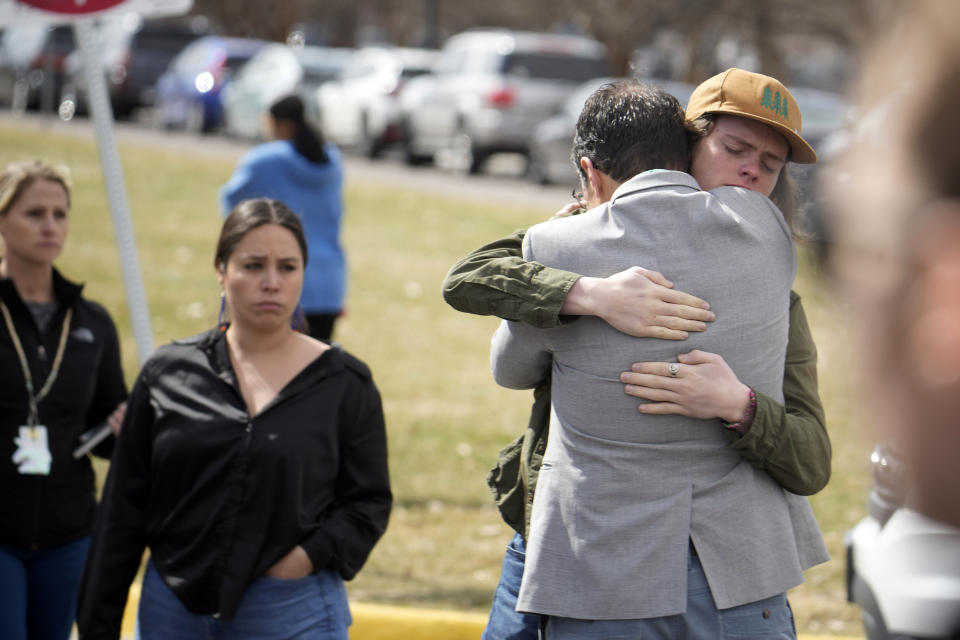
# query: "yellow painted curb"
385,622
130,613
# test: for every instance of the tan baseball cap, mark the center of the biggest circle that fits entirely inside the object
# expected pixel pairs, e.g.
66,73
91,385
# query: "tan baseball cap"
752,95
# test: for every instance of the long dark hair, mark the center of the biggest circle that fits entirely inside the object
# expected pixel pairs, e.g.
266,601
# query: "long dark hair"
306,140
250,214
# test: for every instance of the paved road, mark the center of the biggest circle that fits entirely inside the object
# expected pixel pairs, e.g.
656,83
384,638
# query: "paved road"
503,182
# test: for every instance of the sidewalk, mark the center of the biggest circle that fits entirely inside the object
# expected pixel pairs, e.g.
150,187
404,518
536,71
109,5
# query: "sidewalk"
385,622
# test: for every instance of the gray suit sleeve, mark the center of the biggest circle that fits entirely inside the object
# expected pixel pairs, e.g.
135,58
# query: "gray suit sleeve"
519,358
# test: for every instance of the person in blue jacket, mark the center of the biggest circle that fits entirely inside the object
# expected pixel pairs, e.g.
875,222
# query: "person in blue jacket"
298,168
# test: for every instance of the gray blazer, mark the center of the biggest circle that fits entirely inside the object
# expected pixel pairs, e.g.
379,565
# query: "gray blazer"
620,493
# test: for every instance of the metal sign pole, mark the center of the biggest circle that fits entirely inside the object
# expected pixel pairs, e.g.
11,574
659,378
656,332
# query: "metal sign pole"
102,115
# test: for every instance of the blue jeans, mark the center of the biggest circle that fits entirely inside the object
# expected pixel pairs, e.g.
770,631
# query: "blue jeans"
505,623
311,608
768,619
39,590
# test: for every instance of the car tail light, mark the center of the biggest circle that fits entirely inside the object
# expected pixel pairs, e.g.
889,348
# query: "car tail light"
501,98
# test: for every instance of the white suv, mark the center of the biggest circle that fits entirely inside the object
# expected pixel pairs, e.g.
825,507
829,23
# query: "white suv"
489,89
359,109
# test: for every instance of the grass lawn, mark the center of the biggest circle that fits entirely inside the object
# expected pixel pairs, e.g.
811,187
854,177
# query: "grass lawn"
445,416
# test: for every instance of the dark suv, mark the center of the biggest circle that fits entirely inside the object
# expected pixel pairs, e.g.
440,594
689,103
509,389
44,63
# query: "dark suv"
32,64
133,59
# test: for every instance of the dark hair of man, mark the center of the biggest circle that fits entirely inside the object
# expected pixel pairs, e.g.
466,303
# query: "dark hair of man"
784,193
251,214
626,128
306,140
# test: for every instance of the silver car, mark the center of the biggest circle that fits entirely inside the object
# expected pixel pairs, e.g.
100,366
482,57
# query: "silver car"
489,90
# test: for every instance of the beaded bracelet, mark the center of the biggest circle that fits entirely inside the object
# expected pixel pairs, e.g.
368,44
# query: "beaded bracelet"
744,423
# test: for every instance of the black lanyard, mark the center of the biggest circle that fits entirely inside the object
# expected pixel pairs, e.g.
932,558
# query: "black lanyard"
34,399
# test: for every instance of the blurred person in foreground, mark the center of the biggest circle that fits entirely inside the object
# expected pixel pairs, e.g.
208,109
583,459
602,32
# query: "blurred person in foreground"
787,439
305,173
60,376
652,526
252,463
897,247
894,249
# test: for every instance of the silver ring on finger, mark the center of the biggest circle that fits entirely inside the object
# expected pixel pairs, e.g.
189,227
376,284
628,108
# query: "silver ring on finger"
673,368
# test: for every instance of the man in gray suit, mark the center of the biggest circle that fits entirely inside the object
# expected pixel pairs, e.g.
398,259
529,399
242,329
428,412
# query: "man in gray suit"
626,505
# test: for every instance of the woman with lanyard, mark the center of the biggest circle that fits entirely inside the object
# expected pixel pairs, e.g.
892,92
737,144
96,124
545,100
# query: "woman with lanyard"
60,376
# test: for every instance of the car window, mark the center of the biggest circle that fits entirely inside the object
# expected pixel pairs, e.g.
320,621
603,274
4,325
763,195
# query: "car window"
263,64
451,62
166,41
553,67
413,72
193,57
61,40
234,62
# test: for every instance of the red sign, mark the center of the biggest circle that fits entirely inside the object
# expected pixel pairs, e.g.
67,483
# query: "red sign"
73,7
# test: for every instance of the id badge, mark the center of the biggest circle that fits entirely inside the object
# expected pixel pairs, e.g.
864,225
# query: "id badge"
33,453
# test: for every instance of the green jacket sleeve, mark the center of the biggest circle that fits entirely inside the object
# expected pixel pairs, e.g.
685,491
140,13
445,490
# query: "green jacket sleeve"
496,280
790,441
513,480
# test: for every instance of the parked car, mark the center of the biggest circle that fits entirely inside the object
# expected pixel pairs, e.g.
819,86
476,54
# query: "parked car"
903,568
188,92
549,159
32,58
133,53
359,109
491,87
275,70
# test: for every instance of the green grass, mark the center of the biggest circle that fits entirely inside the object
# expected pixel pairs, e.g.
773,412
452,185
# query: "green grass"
446,418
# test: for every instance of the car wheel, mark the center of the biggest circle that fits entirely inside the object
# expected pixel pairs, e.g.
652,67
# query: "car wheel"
196,118
411,157
466,157
369,144
536,168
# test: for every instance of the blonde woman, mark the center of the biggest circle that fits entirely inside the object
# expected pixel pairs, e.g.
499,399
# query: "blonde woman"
60,376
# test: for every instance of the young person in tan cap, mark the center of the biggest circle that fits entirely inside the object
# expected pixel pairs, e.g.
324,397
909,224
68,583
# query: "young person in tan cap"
740,147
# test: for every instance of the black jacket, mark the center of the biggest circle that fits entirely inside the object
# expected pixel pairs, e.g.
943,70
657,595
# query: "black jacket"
43,511
220,496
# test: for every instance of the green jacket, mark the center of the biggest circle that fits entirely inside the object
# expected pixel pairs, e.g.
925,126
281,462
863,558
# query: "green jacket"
789,441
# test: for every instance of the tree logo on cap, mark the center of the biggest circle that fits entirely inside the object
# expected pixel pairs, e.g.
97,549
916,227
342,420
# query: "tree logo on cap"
774,102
